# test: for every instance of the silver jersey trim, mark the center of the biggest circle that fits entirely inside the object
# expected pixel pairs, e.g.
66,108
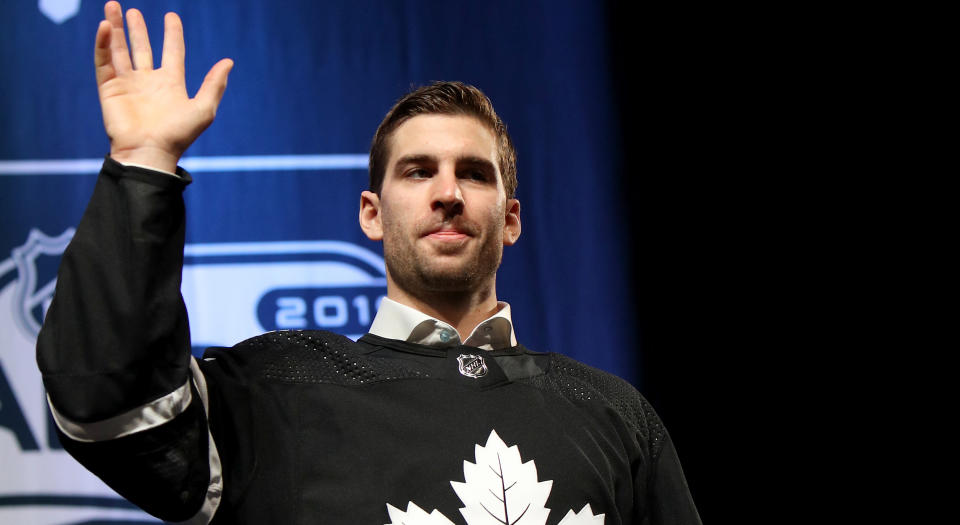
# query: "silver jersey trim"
151,415
145,417
215,486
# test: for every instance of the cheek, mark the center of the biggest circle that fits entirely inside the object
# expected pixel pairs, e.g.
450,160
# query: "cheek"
397,219
496,221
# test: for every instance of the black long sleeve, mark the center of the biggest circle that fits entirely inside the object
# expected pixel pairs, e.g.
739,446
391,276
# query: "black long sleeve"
669,497
115,340
116,334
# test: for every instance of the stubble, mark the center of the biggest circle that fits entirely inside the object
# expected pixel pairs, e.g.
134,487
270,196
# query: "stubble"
418,265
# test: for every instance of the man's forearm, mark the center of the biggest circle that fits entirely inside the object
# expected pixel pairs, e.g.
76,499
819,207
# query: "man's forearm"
116,334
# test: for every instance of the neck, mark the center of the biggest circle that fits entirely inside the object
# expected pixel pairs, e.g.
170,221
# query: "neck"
463,310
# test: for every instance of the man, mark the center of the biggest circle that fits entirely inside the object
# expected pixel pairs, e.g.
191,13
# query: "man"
437,416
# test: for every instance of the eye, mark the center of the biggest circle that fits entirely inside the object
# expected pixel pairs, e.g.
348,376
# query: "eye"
475,175
418,173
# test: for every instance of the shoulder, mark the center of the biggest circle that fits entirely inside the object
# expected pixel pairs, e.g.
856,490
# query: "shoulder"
303,356
293,341
579,382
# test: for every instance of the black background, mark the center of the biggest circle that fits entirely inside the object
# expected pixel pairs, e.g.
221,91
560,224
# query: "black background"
709,165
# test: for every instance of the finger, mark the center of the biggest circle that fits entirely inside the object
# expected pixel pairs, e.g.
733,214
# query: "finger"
214,84
118,41
173,47
101,54
139,40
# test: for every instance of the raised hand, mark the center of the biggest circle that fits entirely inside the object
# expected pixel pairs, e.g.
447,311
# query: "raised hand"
148,115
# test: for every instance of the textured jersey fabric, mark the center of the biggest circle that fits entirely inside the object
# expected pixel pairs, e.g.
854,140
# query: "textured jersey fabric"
311,427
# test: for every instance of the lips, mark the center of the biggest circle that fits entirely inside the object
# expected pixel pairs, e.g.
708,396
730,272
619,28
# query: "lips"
449,232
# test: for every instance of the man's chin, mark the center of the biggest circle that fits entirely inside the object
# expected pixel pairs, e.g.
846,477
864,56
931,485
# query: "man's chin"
450,275
446,270
449,267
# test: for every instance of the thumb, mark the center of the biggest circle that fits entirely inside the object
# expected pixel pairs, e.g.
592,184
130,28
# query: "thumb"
214,84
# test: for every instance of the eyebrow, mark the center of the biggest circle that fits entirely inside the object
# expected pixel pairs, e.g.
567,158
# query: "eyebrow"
415,159
477,162
468,160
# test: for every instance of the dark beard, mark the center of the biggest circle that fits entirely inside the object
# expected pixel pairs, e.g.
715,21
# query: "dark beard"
414,272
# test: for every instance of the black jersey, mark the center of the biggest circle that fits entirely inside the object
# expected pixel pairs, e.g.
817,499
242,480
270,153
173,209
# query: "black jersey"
311,427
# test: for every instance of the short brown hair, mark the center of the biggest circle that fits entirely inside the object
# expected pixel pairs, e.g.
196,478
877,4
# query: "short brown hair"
445,98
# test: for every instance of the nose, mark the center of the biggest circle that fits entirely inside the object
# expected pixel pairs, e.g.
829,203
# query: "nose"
447,194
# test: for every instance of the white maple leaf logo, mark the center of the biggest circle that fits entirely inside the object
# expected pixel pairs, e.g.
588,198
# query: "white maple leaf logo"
498,489
416,516
584,517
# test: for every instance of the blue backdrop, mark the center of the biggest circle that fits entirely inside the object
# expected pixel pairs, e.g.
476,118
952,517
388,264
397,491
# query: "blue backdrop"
272,212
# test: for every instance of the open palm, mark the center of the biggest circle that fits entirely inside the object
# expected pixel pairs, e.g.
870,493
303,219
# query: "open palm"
147,113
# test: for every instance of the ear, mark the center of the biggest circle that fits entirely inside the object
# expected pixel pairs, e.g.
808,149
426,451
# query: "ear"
370,221
511,224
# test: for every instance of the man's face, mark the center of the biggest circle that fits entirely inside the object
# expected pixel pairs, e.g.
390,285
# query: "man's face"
442,211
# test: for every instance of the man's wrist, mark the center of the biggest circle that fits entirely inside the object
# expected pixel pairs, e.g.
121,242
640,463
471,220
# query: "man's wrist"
151,158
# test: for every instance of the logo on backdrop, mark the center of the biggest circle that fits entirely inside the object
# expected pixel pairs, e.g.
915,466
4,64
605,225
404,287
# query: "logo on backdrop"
236,291
59,10
232,292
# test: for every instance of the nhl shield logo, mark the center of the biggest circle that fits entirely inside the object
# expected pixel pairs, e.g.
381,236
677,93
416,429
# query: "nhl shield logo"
472,365
59,10
34,290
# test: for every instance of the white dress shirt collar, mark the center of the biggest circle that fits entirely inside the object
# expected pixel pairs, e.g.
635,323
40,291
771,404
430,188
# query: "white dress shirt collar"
398,321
